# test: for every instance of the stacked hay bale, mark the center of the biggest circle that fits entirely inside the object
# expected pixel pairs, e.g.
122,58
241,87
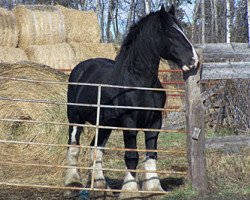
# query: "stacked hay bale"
42,35
9,38
83,34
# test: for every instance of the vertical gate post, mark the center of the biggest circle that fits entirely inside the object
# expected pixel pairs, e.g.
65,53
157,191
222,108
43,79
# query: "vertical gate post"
195,126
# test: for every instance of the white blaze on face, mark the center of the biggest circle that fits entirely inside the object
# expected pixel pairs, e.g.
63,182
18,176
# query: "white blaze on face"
195,56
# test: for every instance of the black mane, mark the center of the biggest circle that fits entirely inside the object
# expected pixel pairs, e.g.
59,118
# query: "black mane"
134,32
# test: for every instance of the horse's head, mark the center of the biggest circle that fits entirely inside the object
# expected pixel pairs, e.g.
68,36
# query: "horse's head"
173,43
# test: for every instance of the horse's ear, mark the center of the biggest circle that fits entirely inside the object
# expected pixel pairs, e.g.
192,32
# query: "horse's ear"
163,8
172,10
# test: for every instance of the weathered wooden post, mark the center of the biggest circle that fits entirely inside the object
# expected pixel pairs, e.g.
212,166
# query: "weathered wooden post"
195,127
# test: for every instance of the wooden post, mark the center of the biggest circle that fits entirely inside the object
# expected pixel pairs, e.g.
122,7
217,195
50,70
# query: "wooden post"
195,127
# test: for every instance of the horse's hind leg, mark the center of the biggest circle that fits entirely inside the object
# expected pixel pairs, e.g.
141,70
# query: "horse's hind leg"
97,156
72,177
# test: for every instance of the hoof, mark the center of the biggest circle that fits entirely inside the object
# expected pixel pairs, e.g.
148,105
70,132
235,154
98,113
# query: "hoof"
155,186
130,196
73,193
130,190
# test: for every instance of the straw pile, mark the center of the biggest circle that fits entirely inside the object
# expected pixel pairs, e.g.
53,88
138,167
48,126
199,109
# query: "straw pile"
8,29
39,25
85,51
81,26
21,131
56,56
12,55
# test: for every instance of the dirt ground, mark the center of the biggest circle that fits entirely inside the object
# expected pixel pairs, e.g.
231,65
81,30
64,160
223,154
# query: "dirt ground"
17,193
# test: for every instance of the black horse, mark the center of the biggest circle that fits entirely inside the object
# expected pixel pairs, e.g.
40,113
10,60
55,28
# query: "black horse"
155,36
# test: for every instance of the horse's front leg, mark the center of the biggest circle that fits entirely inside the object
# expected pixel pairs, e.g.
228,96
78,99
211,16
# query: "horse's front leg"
131,160
72,177
151,180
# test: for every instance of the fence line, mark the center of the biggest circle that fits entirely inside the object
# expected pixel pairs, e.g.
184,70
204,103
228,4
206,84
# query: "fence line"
97,126
93,126
93,168
90,84
91,147
80,189
88,105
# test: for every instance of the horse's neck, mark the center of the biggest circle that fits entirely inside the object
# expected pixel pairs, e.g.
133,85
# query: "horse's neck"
140,66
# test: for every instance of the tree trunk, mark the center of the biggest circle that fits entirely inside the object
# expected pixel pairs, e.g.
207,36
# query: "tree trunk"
131,10
228,22
147,6
216,28
203,36
248,20
109,20
193,28
212,20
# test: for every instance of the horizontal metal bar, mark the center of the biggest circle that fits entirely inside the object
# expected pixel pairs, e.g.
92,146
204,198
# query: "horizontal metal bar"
76,188
87,105
92,147
170,70
173,82
89,84
92,126
93,168
160,71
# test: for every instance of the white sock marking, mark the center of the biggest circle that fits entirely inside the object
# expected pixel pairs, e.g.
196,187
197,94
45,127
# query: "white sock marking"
152,181
72,174
73,135
99,176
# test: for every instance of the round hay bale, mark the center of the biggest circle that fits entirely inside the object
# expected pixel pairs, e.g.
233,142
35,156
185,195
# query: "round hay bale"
39,25
8,29
86,51
30,132
56,56
81,26
12,55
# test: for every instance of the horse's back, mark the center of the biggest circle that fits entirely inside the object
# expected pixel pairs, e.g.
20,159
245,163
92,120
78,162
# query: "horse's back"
96,71
89,70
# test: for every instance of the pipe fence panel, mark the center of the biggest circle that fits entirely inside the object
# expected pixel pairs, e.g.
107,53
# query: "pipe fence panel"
171,92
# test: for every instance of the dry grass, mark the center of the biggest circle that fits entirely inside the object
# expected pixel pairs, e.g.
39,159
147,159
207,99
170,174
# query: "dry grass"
56,56
86,51
39,25
81,27
228,170
12,55
8,29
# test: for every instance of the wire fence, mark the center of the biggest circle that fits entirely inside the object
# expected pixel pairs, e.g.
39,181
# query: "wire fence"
97,126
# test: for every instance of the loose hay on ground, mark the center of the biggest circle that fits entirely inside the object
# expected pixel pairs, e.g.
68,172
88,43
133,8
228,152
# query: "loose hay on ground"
81,26
85,51
56,56
12,55
8,29
39,25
